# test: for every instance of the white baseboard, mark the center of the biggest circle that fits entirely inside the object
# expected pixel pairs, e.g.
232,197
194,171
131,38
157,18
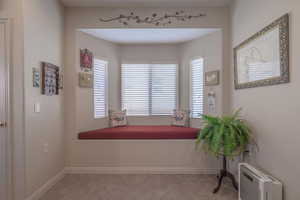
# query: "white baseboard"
138,170
47,186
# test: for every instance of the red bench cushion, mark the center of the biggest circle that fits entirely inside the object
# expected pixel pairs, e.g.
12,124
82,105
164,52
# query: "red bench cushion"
141,132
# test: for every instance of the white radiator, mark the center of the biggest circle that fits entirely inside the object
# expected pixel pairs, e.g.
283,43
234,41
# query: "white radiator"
256,185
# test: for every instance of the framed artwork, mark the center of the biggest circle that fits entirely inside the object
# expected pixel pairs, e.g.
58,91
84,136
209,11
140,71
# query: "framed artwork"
85,80
36,77
50,79
86,60
212,78
263,59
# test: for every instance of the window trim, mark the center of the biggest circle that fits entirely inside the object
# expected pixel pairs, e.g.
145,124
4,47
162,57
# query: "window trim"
191,86
104,60
153,63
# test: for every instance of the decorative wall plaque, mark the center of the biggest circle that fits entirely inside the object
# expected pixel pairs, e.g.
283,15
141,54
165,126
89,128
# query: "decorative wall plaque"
85,80
36,77
50,79
154,19
86,60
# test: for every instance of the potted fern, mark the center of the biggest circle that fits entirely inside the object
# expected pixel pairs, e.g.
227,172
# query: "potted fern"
226,136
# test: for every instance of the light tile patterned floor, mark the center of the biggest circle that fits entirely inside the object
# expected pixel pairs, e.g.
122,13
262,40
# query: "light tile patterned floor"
139,187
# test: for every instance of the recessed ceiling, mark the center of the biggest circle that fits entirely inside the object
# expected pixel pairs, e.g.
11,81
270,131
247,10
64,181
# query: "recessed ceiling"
148,36
145,3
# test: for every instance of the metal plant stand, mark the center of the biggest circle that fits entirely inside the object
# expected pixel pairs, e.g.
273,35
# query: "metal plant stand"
224,173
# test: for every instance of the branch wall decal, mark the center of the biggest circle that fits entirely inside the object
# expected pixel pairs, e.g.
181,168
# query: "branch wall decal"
154,19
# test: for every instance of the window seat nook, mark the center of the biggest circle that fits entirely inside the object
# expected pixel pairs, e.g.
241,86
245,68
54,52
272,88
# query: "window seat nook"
141,132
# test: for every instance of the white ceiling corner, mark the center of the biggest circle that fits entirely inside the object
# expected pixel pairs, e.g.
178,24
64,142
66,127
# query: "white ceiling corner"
148,36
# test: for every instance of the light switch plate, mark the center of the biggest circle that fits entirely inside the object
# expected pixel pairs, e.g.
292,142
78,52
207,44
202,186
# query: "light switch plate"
37,107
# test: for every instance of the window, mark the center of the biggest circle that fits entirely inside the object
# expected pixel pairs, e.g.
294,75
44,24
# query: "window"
100,88
149,89
197,88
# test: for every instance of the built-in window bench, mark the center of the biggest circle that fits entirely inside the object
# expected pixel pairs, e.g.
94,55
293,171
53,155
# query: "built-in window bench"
141,133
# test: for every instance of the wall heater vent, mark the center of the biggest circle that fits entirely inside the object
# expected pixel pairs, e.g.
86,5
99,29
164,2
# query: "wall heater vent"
256,185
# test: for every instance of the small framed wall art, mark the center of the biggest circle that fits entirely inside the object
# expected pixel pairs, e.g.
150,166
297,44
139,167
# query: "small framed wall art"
50,79
85,80
86,60
36,77
212,78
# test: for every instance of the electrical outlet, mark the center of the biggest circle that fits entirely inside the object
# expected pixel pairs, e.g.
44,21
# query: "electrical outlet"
46,148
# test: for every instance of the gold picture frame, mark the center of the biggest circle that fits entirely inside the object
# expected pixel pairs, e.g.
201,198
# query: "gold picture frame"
281,76
212,78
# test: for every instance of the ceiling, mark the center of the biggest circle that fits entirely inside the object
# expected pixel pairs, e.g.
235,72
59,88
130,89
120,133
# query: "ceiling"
146,3
148,36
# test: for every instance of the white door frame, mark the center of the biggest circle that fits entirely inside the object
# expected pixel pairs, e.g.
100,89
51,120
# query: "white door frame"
8,158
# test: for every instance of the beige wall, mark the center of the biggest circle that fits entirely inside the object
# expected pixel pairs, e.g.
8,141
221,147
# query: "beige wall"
131,155
13,10
43,41
208,47
272,111
85,102
150,53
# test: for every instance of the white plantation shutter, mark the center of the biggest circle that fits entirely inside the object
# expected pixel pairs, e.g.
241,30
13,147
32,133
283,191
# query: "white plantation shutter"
197,88
149,89
135,88
100,88
163,89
